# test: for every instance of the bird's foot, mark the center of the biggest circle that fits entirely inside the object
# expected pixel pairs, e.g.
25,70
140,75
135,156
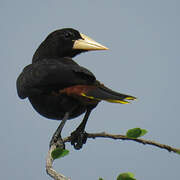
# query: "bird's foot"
58,142
78,138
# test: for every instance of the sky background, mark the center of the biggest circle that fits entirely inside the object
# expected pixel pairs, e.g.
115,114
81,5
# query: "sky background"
142,60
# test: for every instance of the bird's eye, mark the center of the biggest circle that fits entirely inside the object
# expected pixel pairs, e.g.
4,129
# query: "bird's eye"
68,34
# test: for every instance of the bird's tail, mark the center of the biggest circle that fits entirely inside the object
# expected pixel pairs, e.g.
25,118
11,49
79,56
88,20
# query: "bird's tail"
98,93
106,94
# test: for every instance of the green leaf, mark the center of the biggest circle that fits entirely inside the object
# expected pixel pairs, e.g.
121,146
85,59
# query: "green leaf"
136,132
101,178
143,132
59,153
126,176
178,152
133,133
130,174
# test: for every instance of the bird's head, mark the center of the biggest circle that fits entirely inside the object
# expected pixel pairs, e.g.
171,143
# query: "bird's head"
65,43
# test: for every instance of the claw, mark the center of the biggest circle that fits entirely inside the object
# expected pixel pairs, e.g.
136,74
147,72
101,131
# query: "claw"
78,138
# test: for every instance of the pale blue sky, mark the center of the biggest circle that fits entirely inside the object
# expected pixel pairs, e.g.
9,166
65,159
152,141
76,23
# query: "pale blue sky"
143,60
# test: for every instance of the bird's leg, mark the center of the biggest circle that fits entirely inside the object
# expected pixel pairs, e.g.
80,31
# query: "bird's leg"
79,136
56,138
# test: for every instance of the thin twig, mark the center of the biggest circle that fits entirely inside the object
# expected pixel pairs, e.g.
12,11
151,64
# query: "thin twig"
58,176
123,137
49,169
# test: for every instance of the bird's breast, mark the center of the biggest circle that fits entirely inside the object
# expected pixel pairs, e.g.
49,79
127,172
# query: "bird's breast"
55,107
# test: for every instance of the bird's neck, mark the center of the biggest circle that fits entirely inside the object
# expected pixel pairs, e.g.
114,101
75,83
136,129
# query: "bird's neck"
47,50
54,51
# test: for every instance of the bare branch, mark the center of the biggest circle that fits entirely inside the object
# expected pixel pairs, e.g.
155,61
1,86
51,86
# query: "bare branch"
49,169
58,176
123,137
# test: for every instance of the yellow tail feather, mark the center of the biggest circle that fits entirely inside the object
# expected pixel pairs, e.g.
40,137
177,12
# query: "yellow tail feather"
90,97
130,98
117,101
111,100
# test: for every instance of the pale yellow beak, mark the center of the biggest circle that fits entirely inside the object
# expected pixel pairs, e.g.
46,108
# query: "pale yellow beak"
87,44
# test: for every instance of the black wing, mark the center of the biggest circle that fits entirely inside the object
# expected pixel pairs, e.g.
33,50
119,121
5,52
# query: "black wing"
50,74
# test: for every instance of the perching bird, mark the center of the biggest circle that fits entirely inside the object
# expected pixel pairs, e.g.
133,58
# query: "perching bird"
58,88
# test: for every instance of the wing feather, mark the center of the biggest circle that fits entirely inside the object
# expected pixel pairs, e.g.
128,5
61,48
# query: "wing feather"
45,76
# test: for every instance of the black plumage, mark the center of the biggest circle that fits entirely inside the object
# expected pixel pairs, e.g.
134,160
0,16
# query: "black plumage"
41,82
56,85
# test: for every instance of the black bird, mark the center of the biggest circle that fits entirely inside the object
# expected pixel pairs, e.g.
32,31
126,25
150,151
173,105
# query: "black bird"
58,88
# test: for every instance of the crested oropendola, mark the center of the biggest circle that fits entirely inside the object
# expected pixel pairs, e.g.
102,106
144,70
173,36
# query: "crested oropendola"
58,88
